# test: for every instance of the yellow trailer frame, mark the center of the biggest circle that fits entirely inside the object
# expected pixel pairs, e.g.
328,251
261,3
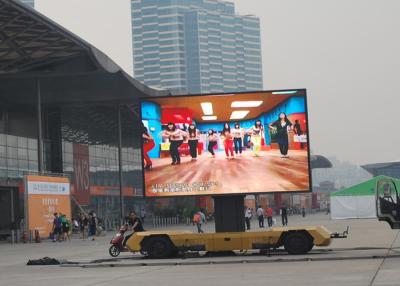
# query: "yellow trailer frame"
295,240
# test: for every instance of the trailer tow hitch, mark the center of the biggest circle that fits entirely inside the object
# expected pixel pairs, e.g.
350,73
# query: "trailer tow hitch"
343,234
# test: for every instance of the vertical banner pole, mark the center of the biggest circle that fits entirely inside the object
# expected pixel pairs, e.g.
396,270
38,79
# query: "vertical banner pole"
121,197
40,127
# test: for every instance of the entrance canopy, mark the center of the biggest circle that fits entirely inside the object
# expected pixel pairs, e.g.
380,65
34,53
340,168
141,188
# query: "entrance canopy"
357,201
35,49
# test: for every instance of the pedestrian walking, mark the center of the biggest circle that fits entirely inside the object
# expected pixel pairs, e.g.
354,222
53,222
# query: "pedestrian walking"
303,212
92,225
328,208
248,215
56,230
269,213
199,218
64,227
142,214
284,215
83,225
260,215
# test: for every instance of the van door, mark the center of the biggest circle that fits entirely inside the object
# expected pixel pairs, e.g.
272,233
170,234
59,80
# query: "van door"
388,203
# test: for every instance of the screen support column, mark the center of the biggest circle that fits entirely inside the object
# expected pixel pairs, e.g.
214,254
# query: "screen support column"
229,213
121,195
39,126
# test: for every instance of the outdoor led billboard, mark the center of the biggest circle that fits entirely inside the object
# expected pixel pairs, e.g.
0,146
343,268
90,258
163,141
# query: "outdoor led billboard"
218,144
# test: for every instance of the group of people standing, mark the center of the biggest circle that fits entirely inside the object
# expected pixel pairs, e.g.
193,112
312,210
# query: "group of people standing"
262,214
62,228
87,224
176,138
232,138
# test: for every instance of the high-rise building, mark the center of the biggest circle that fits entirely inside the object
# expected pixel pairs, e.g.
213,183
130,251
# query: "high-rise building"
29,2
195,46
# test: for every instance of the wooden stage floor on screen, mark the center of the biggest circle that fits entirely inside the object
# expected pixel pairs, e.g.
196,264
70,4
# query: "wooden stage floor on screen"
266,173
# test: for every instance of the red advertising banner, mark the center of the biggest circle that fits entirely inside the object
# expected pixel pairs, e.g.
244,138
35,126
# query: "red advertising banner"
81,174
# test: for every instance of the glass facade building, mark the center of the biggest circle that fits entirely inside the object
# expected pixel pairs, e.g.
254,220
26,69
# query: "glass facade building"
70,134
195,46
390,169
67,110
29,2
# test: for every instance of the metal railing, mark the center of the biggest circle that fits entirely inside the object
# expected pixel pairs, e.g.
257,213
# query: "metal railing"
167,221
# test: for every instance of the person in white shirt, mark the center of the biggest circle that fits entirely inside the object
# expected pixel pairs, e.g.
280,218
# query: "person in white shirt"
248,215
175,137
237,134
193,140
260,215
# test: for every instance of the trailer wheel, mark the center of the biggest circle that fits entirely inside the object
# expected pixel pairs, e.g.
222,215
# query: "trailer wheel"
310,245
158,247
297,243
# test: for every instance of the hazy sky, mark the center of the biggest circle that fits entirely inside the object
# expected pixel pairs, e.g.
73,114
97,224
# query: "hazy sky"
345,52
106,24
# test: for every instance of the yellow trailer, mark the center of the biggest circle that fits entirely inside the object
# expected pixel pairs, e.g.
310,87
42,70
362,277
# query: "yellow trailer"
162,244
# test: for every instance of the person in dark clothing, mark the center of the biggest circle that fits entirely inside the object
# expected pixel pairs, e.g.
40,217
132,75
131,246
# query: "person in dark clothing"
134,225
298,131
297,128
175,137
284,215
212,142
193,141
282,126
57,228
83,224
92,225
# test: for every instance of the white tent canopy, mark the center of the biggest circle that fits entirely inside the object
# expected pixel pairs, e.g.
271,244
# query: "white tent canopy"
345,207
357,201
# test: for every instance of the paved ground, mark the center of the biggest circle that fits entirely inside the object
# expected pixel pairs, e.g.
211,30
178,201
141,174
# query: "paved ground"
364,258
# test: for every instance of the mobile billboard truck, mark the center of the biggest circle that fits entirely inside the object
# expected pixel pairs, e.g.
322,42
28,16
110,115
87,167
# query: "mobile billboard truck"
227,146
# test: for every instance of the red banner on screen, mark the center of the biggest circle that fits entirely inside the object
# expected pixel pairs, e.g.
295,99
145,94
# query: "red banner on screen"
81,174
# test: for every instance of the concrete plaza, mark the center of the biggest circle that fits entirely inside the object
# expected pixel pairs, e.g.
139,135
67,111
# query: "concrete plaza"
369,256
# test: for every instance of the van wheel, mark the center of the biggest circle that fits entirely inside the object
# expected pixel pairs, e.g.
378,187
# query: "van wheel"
297,243
158,247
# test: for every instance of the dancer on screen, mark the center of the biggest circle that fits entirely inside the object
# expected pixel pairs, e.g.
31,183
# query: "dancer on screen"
282,126
237,134
193,141
228,141
212,141
175,137
257,133
148,144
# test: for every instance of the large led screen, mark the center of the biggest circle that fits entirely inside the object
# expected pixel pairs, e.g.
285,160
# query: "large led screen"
221,144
